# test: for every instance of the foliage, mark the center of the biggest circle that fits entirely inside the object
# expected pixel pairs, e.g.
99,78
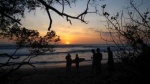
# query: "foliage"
13,10
24,38
131,29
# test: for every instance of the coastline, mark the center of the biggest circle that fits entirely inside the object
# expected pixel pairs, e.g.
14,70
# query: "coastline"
58,75
51,69
59,65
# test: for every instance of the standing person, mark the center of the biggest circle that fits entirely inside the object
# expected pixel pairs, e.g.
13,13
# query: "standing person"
68,62
77,62
93,60
110,60
98,60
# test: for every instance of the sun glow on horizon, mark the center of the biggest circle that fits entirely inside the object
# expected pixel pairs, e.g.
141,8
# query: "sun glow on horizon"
67,42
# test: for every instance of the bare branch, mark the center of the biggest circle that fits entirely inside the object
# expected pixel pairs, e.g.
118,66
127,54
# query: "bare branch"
17,21
49,18
79,17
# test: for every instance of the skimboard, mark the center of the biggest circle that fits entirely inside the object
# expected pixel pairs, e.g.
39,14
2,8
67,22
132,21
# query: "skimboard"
80,60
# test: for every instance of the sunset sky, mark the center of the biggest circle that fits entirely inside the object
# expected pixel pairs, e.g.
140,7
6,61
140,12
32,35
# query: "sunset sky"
78,32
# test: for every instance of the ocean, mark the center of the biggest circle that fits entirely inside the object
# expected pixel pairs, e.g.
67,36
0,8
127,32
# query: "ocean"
57,58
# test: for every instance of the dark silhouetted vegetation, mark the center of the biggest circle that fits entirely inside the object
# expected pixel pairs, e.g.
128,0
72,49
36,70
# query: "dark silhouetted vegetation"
131,28
13,10
24,38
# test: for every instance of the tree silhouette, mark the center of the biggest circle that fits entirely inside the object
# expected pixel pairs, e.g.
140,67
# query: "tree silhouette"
24,38
11,11
131,28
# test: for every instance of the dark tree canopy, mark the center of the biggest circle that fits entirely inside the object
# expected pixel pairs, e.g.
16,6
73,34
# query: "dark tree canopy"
24,38
11,11
130,31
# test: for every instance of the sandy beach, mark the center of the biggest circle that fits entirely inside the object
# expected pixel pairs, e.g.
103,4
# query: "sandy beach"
59,75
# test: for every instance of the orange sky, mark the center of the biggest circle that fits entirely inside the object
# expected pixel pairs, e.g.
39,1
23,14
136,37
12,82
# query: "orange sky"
78,32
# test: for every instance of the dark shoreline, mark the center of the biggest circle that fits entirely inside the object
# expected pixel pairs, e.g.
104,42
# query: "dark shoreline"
58,75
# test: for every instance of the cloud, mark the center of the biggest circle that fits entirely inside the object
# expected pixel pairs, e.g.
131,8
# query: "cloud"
108,33
6,41
93,30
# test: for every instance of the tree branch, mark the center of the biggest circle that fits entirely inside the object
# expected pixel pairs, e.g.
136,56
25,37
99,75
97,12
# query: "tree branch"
79,17
11,18
50,24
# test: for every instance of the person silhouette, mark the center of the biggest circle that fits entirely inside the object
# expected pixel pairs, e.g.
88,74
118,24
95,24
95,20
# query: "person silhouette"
68,62
110,60
93,60
98,60
77,62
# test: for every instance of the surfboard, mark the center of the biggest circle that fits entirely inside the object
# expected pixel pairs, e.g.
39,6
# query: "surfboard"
80,60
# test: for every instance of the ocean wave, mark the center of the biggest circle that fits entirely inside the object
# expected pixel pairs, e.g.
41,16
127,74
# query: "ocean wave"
48,62
68,48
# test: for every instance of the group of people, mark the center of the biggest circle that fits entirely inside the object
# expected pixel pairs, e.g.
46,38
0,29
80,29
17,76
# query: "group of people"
69,62
96,61
97,58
